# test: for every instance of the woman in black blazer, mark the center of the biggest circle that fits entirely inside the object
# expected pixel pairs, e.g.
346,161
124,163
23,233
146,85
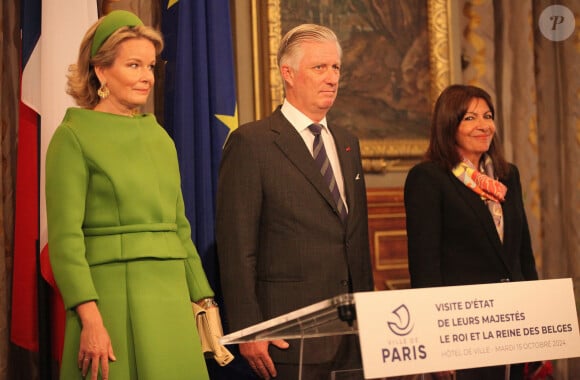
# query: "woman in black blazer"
466,222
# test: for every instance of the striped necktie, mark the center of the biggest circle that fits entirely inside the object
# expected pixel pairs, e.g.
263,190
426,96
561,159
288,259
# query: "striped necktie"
321,159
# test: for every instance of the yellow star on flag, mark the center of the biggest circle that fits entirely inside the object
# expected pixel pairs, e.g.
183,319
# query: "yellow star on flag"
230,121
171,3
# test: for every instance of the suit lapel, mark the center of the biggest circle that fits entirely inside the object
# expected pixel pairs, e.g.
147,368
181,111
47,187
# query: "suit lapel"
293,147
509,208
483,215
344,150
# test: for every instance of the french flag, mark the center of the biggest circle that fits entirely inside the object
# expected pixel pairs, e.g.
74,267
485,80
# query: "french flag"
51,34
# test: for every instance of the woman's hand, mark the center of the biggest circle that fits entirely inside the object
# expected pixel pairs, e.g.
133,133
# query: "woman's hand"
95,344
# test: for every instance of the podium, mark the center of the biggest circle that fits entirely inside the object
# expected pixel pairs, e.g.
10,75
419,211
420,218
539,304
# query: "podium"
417,331
331,317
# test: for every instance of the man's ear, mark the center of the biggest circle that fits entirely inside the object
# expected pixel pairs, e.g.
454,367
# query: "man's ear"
287,74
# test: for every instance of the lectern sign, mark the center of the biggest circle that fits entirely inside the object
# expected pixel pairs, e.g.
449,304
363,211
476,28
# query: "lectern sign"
434,329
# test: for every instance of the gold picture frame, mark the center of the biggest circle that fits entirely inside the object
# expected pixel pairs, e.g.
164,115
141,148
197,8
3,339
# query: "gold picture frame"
379,155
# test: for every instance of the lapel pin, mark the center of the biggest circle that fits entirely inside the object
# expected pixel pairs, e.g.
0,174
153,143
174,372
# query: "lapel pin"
348,149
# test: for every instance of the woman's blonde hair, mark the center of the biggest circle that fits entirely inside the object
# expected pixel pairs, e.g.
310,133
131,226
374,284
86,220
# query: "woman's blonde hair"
82,80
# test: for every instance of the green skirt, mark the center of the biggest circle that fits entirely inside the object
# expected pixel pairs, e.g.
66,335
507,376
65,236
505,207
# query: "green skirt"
147,311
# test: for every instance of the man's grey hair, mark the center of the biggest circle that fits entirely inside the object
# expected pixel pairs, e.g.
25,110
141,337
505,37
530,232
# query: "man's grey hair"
289,51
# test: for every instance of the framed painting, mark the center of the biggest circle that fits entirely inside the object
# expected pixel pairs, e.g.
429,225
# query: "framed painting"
397,58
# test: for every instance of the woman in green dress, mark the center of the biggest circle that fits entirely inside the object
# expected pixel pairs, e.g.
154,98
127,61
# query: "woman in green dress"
120,244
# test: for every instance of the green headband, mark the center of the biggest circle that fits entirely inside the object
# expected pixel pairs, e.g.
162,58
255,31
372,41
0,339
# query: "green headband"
110,23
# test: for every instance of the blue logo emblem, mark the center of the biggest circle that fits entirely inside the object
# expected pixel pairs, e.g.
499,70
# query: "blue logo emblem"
402,325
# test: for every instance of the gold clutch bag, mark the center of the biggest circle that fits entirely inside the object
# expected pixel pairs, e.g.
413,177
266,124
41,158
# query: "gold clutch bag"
209,327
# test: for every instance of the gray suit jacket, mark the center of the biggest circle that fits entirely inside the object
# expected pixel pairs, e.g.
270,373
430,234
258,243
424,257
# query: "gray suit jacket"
280,241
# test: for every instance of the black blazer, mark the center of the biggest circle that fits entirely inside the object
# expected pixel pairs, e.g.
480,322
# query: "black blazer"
280,241
452,239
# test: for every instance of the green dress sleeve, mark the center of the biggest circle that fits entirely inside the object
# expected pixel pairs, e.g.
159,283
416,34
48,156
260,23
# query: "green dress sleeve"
196,279
66,188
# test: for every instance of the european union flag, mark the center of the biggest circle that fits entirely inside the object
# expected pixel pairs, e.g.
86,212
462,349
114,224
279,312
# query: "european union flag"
199,111
199,107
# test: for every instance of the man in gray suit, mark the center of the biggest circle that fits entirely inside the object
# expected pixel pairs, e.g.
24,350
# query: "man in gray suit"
284,240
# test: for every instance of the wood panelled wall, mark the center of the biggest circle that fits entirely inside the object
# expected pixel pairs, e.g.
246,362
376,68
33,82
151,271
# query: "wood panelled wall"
388,238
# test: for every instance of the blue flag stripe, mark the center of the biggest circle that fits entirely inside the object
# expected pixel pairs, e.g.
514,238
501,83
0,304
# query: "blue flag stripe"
30,21
200,83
